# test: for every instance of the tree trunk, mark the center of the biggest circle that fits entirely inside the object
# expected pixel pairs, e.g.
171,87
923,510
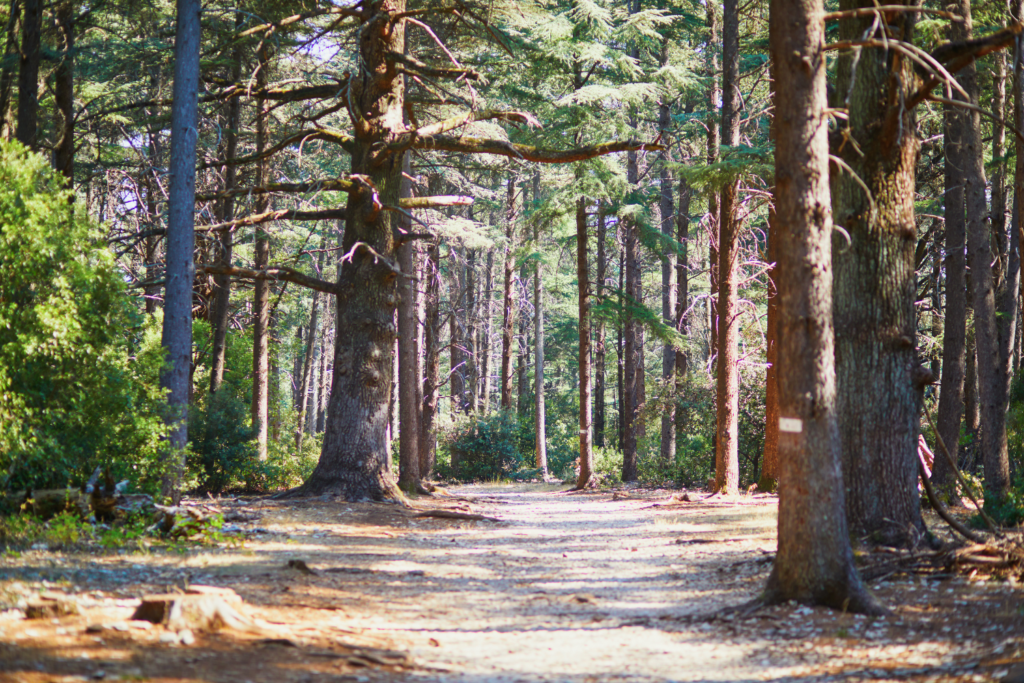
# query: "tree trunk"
682,323
599,335
522,362
668,272
177,327
814,563
714,141
408,354
28,74
507,303
586,475
620,348
457,334
769,479
353,462
325,385
64,92
307,366
631,376
540,432
152,290
727,465
471,396
878,380
485,346
432,362
222,304
7,74
261,288
954,340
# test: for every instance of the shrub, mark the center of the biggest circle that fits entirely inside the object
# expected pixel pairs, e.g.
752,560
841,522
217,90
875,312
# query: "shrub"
485,448
78,370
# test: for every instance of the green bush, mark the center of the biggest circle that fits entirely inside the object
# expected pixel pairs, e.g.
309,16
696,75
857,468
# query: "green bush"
485,448
78,367
223,450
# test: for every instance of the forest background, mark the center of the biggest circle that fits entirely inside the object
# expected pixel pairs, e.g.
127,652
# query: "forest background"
668,108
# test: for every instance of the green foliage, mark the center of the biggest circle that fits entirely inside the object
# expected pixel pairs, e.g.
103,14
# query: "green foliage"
483,449
1009,511
221,439
78,367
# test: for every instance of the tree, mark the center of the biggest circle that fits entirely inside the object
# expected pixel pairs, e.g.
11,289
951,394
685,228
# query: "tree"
180,271
727,468
877,376
814,563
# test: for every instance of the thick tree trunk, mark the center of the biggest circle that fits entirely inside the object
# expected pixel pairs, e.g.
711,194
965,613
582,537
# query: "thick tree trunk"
408,355
878,380
599,335
261,288
64,92
222,304
668,273
432,362
28,73
727,464
507,301
954,340
586,475
177,326
814,564
353,462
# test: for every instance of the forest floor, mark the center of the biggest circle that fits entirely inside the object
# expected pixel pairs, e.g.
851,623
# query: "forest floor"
623,585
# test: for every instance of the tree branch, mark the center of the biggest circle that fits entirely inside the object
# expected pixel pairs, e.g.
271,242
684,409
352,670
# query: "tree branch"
473,116
340,139
275,274
470,145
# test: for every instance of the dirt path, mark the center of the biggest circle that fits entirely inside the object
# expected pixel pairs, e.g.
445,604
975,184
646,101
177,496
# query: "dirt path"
595,587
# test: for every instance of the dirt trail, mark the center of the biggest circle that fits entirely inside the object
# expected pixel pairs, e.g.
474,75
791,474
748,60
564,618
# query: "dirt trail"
602,586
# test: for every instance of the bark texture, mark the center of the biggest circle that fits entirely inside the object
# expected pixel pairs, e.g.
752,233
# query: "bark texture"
261,288
814,563
28,73
727,464
353,462
586,475
878,399
177,327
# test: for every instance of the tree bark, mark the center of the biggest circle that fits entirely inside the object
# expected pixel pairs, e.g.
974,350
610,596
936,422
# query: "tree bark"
180,272
540,431
353,462
261,288
682,365
507,302
522,362
599,334
632,340
668,273
769,479
28,73
727,465
64,92
485,345
877,376
409,404
954,340
432,362
814,563
7,74
714,141
307,366
222,304
586,476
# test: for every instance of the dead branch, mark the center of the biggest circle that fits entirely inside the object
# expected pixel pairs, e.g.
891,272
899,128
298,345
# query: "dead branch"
275,274
450,514
471,145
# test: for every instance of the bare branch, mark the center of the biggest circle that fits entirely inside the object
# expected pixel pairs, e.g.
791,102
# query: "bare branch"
470,145
887,9
473,116
276,274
